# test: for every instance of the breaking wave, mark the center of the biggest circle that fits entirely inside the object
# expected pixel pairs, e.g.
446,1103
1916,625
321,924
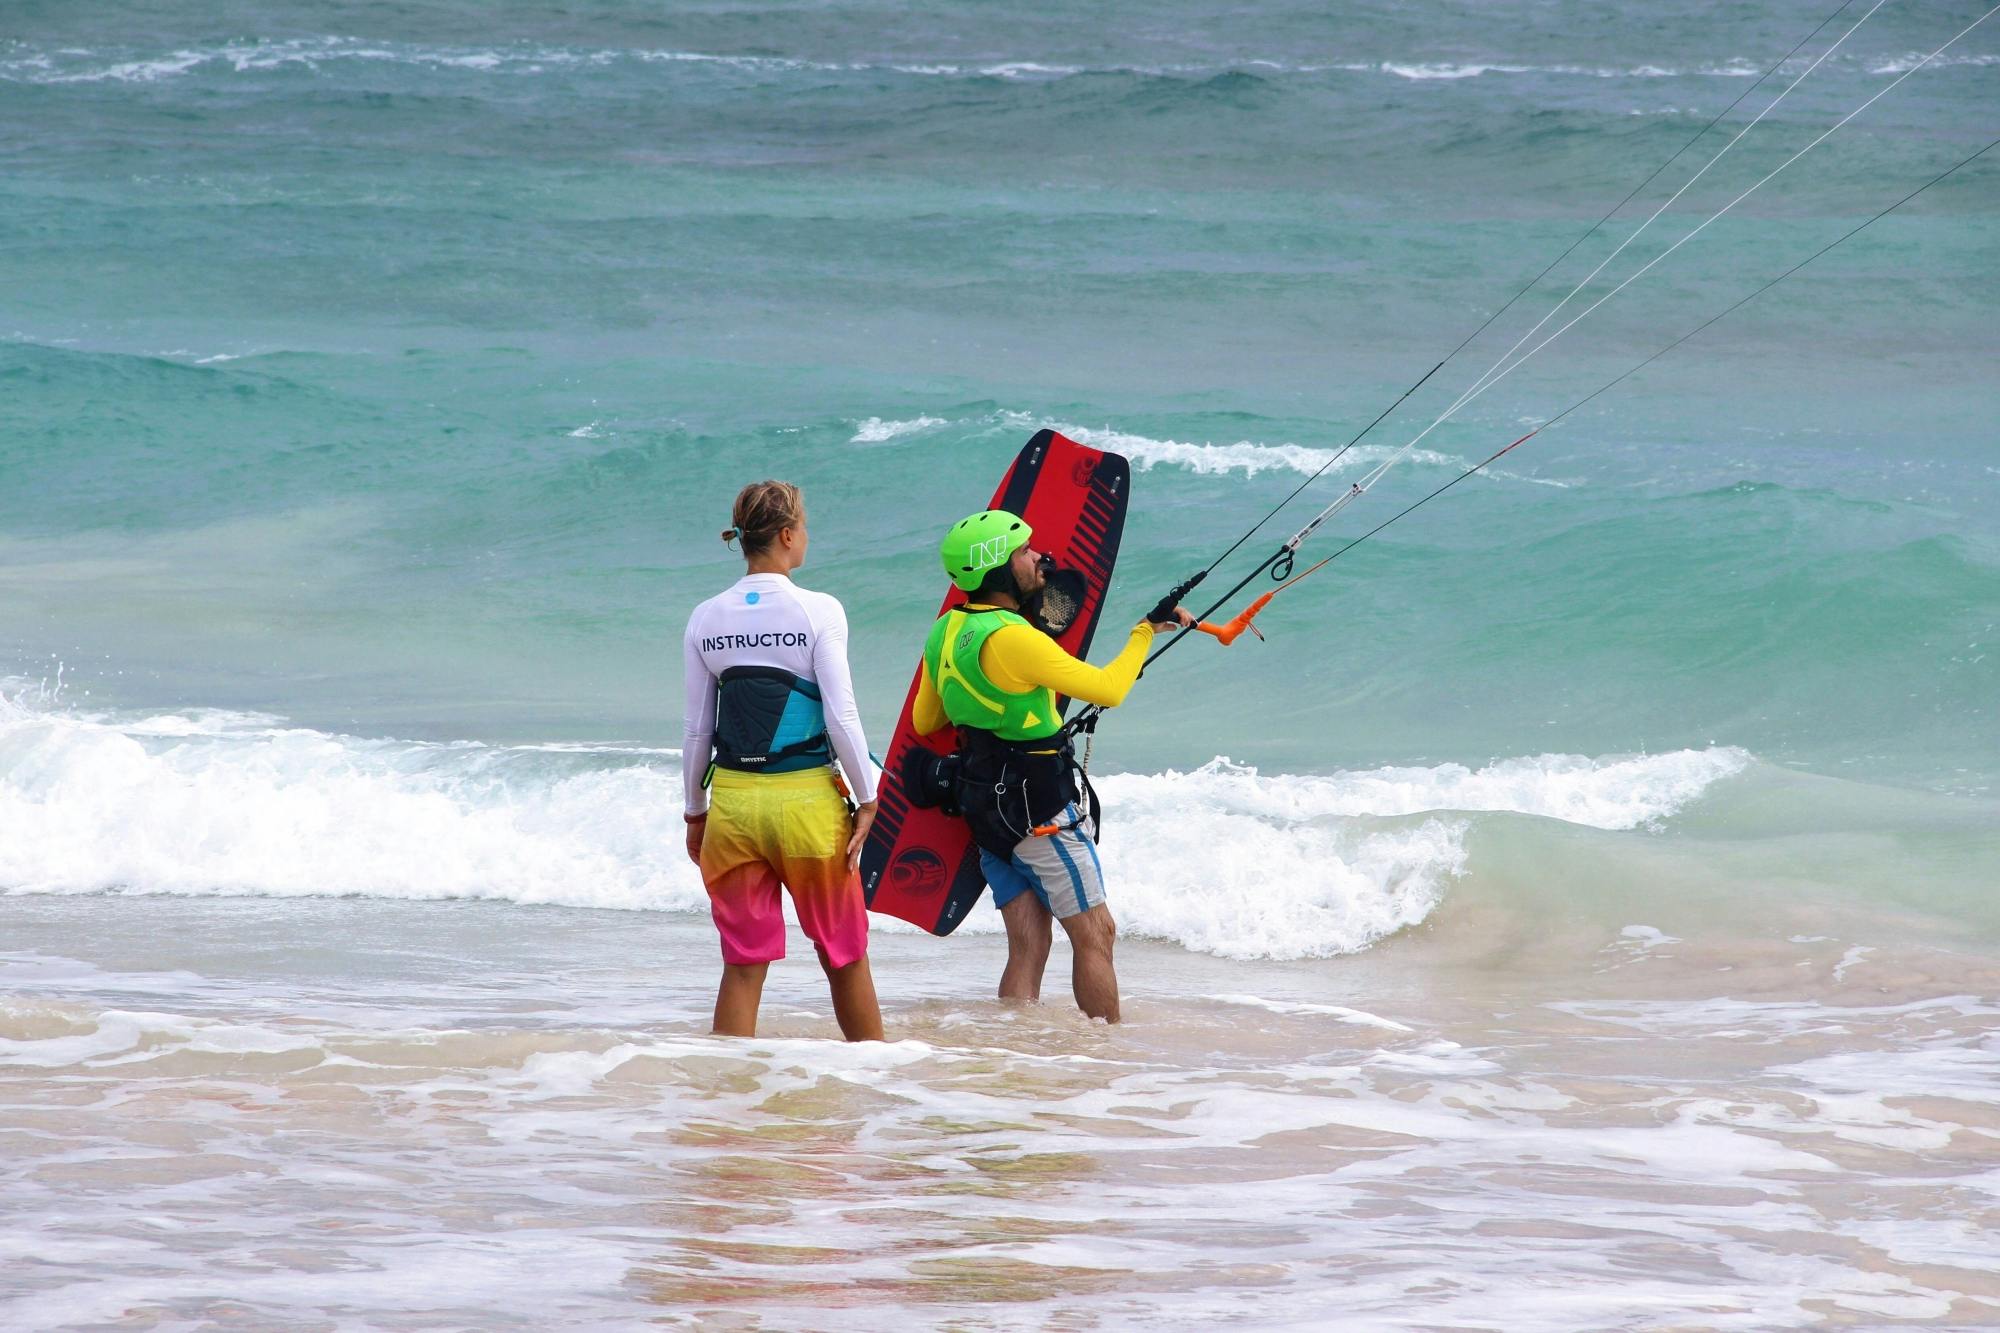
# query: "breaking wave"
1222,859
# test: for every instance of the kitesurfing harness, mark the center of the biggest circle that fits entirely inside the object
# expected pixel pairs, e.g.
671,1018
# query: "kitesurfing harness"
768,720
1012,777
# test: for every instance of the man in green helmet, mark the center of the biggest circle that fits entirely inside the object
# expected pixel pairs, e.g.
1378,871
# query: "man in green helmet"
995,676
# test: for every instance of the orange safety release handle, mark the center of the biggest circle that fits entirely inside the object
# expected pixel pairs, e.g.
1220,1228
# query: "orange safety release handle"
1229,632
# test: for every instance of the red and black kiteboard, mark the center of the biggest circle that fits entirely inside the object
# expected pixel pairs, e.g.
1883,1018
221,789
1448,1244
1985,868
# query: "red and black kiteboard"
921,865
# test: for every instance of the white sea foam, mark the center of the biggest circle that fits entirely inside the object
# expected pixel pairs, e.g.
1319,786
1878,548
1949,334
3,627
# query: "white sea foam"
1635,944
1609,793
72,65
1205,458
1222,859
1243,886
205,722
1228,861
1243,456
213,802
1250,457
1446,71
1339,1011
1427,70
875,430
757,63
1904,64
1011,69
596,747
433,1099
1028,69
1849,959
82,66
1380,1148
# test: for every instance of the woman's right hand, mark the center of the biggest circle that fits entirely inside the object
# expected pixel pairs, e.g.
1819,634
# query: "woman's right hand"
864,819
696,825
1182,619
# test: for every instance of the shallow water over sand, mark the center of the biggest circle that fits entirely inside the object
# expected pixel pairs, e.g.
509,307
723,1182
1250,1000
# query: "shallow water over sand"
366,1114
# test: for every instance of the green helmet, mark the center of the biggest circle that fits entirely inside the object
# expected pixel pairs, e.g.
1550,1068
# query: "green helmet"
981,542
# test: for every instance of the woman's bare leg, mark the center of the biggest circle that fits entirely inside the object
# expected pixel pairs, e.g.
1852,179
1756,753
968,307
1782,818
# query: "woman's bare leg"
736,1001
854,1004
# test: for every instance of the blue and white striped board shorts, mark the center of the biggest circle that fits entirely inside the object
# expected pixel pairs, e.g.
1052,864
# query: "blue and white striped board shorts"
1061,869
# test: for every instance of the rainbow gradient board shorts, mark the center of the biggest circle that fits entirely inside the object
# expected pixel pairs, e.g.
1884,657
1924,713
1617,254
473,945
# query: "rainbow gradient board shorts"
768,829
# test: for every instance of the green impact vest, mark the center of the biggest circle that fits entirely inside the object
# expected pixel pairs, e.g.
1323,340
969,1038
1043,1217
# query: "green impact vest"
970,698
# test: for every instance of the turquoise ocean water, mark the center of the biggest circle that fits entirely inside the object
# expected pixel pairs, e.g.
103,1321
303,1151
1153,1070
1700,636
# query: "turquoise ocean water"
374,380
390,369
401,362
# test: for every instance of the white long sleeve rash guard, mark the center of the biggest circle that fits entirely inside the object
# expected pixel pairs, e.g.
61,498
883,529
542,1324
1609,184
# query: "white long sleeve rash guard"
767,620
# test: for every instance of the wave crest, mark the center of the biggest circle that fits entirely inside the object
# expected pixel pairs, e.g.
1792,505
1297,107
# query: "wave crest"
70,65
876,431
1245,456
1221,859
1228,861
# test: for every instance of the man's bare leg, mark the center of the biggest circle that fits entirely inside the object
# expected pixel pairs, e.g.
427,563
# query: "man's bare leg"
1028,939
1092,977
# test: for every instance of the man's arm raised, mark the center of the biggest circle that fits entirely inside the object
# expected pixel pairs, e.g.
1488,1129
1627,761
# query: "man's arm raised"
1020,657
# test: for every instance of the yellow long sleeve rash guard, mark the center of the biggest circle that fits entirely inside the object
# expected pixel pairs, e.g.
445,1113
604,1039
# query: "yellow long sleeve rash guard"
1018,658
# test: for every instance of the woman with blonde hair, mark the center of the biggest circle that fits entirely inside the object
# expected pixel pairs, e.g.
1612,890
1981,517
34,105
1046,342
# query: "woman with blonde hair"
770,706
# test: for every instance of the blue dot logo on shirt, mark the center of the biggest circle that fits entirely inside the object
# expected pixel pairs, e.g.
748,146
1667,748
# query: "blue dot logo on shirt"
751,597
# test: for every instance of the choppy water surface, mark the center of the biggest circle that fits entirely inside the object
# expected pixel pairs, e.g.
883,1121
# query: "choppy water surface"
505,1118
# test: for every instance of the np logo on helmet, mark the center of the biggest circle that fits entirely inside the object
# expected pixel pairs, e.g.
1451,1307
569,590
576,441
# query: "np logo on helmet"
991,552
980,542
